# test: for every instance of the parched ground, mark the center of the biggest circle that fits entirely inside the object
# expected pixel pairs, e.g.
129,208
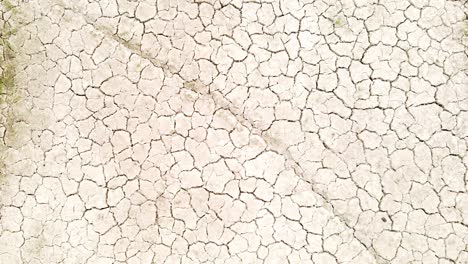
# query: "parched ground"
217,131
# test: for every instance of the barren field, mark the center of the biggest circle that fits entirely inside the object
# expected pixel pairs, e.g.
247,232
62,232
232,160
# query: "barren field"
243,131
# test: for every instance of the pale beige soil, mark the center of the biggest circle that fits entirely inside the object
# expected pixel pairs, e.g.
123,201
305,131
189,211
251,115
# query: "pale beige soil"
193,131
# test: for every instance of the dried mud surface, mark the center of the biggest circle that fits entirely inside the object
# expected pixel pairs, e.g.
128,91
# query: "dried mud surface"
217,131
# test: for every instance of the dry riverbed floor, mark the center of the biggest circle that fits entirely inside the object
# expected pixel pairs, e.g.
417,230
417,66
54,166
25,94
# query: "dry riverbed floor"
217,131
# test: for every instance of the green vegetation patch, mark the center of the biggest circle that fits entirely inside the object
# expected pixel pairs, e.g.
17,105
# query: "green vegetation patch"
7,65
338,22
7,77
8,13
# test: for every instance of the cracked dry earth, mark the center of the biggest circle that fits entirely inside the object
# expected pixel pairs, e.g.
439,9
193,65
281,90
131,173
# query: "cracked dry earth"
217,131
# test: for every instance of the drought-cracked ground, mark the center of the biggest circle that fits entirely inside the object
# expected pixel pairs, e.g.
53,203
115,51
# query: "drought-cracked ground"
217,131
